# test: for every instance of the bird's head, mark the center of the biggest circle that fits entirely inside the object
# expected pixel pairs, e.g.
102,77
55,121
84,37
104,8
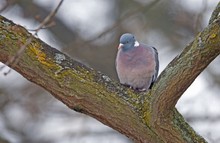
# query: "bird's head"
127,41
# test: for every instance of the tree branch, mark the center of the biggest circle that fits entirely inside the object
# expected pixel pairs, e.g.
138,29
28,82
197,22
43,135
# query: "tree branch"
215,13
79,87
181,72
45,22
143,117
184,69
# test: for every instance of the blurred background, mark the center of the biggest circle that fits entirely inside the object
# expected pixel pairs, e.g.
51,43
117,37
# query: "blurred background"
89,31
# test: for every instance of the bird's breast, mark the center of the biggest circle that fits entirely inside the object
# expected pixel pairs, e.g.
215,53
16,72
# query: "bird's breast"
137,58
136,67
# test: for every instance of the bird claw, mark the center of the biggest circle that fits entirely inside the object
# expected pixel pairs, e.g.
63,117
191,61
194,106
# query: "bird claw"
136,89
141,89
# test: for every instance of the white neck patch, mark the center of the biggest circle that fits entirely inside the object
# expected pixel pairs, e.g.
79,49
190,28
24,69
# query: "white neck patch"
136,43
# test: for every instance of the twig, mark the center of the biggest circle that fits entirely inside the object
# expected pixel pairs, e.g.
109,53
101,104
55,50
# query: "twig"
14,60
115,25
49,17
215,13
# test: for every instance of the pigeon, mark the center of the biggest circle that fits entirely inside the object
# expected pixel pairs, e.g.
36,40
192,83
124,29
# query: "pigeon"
136,63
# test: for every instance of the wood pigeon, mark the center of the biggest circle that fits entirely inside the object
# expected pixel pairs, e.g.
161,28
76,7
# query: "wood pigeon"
136,63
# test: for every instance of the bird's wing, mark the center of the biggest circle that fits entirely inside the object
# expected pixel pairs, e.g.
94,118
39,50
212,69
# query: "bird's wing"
157,64
156,67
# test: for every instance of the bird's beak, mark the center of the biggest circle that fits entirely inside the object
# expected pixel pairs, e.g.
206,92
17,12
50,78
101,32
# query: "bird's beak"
120,46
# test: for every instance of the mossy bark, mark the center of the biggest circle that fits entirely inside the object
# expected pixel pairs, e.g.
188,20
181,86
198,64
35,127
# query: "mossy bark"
144,117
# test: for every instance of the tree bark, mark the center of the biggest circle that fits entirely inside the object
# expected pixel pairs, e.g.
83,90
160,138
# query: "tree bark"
144,117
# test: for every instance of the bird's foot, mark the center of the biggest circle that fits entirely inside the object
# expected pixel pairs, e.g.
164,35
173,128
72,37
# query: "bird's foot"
141,89
135,89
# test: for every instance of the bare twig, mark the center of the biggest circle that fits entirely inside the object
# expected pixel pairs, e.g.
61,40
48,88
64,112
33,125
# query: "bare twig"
215,13
115,25
46,22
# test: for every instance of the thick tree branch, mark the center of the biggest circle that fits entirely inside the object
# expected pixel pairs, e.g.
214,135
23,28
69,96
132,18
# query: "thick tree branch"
79,87
183,70
143,117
